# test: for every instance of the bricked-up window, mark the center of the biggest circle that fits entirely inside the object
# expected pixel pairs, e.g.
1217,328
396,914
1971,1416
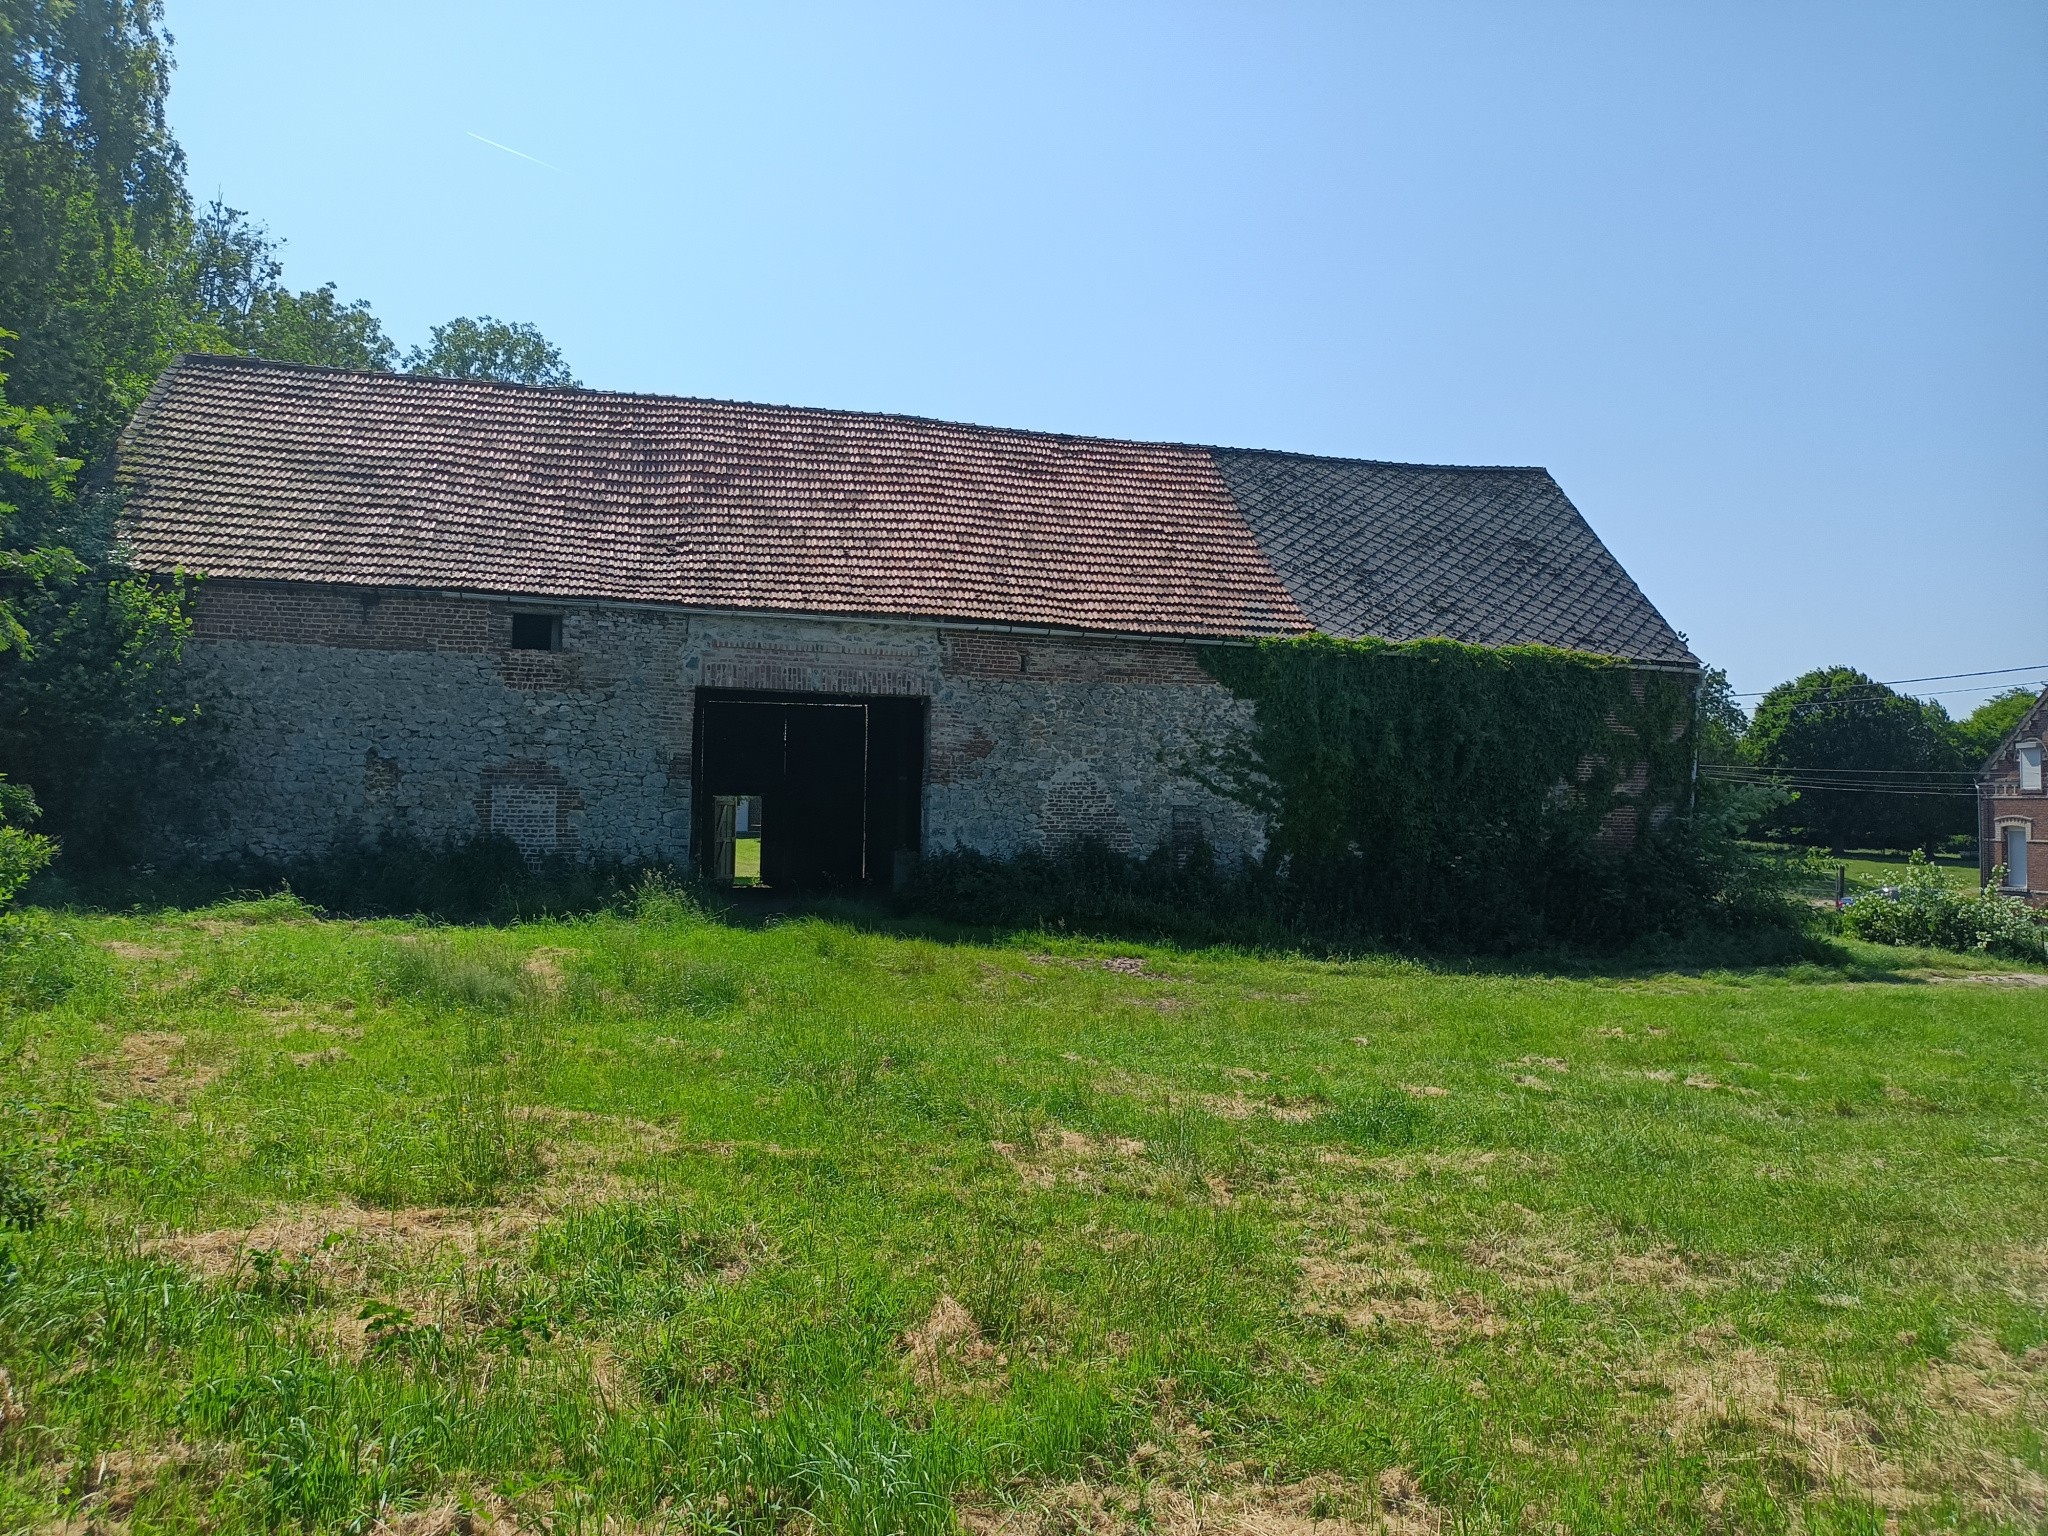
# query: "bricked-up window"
536,631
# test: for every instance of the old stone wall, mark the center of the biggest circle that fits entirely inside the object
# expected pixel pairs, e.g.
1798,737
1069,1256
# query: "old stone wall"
344,715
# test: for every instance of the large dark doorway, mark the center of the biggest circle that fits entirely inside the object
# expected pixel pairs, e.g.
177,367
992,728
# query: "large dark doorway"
825,791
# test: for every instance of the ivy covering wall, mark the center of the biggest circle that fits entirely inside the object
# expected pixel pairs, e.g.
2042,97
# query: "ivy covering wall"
1430,789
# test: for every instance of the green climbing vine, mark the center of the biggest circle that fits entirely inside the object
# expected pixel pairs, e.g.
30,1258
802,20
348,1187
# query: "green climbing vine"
1432,787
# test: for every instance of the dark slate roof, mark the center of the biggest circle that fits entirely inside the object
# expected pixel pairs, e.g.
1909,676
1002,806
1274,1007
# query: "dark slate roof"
272,471
1410,551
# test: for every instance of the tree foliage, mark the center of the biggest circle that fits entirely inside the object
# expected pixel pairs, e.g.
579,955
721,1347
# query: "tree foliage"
1885,748
86,649
95,273
507,351
234,279
92,184
1718,721
1984,731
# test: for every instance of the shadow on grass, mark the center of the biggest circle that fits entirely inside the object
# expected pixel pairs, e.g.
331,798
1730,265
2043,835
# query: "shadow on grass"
487,881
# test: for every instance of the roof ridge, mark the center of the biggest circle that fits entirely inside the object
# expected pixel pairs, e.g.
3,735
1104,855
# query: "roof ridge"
257,364
1339,458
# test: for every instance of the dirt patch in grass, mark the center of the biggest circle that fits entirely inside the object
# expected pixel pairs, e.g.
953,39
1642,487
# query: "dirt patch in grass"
1467,1163
1534,1254
590,1126
1986,978
478,1515
1058,1157
1746,1390
152,1063
342,1246
1982,1394
544,968
112,1483
2023,1271
121,949
1367,1289
1235,1106
1392,1506
945,1343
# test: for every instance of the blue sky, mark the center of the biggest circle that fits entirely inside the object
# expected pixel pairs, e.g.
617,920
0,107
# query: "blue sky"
1765,286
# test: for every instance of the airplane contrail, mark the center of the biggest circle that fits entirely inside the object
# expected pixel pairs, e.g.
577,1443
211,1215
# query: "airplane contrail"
522,154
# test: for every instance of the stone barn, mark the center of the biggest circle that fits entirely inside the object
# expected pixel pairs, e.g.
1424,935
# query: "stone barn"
604,623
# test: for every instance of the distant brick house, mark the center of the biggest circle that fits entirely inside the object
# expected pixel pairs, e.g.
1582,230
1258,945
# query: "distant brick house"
2012,809
596,622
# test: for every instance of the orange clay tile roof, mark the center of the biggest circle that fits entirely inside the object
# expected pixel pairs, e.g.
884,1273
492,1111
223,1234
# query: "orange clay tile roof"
278,472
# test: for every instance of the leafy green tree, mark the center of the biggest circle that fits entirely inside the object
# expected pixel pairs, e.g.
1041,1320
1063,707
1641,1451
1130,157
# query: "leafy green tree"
317,327
91,183
86,650
233,277
23,854
31,449
1889,753
509,351
1984,732
1719,722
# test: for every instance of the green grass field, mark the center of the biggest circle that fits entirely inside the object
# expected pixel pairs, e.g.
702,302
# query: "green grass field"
1868,870
633,1224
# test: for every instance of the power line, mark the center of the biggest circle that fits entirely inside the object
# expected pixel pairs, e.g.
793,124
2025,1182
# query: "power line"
1800,781
1908,792
1917,775
1900,682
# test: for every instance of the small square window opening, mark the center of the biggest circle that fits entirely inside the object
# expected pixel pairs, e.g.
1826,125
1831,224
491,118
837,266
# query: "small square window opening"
536,632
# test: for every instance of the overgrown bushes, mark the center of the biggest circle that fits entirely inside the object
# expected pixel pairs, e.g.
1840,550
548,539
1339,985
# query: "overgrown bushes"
466,880
1925,909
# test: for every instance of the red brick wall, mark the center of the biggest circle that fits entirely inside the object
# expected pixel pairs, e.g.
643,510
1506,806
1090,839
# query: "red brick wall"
1014,658
2001,802
365,620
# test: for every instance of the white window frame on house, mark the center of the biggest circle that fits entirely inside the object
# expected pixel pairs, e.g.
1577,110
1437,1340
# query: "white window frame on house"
2029,755
2015,877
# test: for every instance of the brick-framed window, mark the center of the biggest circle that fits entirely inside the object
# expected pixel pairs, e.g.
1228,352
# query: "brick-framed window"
2013,835
536,631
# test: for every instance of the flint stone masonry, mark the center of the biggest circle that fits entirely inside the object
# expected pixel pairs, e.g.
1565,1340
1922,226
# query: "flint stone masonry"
351,714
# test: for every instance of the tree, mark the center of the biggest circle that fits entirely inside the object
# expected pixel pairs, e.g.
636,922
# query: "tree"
232,276
86,651
91,182
1984,732
509,351
1719,721
1905,781
316,327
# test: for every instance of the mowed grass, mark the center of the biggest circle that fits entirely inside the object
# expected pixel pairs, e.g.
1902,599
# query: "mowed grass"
659,1223
1867,870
